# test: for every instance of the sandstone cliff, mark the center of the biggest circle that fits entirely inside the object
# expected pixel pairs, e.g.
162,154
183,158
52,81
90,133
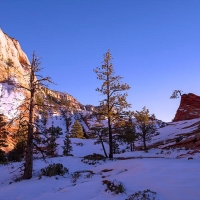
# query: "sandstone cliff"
14,65
189,107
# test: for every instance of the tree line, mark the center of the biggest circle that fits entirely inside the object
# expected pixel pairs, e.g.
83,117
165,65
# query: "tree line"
122,124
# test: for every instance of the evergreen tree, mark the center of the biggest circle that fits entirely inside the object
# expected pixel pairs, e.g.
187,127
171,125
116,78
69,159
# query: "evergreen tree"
145,125
3,132
3,138
129,133
51,136
115,146
114,102
67,148
77,130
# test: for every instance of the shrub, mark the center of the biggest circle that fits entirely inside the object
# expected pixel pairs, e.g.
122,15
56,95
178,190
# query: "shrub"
93,159
75,176
194,140
178,139
54,169
187,148
114,186
9,62
79,144
78,174
143,195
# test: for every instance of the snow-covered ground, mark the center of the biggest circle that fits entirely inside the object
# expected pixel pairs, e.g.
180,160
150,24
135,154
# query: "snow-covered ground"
174,130
10,100
173,174
171,178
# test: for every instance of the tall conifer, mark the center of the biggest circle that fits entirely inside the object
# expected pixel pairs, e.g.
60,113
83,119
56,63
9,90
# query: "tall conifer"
114,102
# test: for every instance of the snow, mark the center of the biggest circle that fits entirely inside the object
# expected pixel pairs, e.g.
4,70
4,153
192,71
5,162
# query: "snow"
167,172
10,100
157,170
174,130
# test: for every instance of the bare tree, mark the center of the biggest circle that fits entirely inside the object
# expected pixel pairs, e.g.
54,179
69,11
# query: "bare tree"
35,85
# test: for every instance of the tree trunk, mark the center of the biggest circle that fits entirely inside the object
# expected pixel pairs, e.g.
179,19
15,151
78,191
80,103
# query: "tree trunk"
104,150
110,139
29,149
29,155
131,144
144,143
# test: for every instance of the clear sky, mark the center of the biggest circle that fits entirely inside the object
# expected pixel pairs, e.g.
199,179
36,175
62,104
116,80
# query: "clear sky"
155,45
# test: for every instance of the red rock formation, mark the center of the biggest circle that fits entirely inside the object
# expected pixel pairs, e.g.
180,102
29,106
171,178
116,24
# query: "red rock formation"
189,107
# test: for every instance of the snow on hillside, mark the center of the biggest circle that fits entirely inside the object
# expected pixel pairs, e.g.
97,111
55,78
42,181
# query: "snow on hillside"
10,100
171,179
174,130
167,172
164,136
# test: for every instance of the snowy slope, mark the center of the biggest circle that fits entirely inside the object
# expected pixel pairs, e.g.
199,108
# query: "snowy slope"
166,136
10,100
172,179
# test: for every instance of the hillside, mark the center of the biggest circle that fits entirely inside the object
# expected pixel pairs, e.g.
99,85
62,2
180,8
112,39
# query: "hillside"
170,178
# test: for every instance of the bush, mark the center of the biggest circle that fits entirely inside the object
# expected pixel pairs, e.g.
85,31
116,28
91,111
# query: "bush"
93,159
79,144
143,195
114,186
78,174
194,140
178,139
9,62
54,169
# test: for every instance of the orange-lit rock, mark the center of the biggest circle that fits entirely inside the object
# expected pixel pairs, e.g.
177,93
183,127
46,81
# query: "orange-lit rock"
189,107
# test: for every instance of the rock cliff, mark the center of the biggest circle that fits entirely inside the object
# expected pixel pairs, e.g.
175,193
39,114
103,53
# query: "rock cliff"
189,107
14,65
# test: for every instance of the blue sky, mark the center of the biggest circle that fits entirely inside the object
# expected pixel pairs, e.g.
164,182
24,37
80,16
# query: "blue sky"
155,45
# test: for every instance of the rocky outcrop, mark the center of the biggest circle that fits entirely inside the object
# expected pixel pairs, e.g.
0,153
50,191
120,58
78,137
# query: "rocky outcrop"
189,107
14,67
13,61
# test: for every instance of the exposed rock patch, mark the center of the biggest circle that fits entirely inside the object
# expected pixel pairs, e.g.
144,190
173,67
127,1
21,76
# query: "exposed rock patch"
189,107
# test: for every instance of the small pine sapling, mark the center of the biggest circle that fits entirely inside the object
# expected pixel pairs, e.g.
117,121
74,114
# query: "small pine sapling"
67,148
77,130
53,133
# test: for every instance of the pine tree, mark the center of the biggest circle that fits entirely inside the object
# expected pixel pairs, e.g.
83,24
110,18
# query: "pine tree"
129,133
115,146
77,130
145,125
3,132
3,138
67,148
52,134
113,105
